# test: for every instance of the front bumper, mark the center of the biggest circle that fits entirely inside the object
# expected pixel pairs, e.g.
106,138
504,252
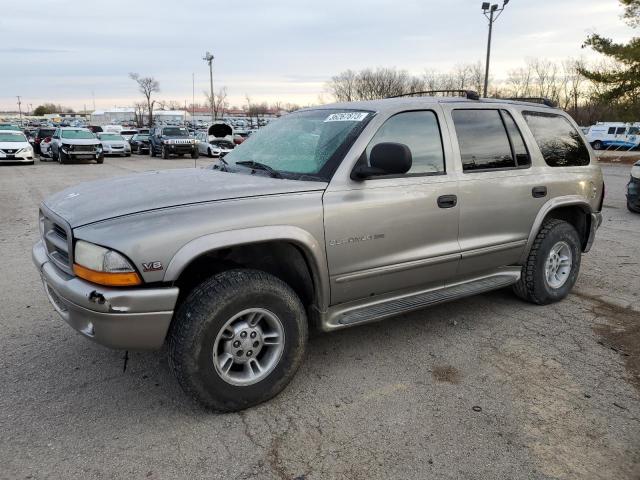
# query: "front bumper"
122,318
633,194
21,157
596,221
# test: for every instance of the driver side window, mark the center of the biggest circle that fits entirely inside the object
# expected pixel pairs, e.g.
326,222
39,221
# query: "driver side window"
420,131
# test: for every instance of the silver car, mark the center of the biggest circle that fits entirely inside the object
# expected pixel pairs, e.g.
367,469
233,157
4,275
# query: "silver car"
69,144
331,217
114,144
213,147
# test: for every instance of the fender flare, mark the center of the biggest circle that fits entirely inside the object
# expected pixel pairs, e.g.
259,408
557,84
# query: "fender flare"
312,250
557,202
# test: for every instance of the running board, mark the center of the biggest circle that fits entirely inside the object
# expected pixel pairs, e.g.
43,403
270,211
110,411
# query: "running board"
341,316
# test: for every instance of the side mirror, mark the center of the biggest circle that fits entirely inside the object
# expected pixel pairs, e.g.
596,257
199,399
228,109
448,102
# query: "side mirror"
385,159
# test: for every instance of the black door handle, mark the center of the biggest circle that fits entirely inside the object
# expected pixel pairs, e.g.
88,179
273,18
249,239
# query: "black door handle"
447,201
539,192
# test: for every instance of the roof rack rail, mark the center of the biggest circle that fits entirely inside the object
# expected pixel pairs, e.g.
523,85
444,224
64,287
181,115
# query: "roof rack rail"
540,100
470,94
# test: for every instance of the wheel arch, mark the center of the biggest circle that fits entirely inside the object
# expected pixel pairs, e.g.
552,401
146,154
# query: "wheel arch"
290,253
572,209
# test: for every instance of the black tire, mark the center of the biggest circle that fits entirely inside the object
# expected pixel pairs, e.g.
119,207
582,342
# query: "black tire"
631,208
62,157
139,150
165,153
597,145
209,154
127,154
195,154
533,285
203,314
152,152
100,159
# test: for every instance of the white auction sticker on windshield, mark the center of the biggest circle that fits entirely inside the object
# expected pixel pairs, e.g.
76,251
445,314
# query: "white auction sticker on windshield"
347,117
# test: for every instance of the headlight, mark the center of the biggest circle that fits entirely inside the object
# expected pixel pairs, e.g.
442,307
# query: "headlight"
635,171
67,146
103,266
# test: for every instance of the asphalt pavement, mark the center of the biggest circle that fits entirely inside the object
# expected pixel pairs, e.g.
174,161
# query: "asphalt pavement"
487,387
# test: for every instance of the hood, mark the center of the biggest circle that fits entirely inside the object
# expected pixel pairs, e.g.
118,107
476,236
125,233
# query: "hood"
13,145
103,199
219,130
80,141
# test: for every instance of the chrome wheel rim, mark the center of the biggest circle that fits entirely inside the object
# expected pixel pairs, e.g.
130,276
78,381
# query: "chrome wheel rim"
248,346
558,265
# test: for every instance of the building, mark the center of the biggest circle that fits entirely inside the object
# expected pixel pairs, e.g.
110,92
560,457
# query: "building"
116,115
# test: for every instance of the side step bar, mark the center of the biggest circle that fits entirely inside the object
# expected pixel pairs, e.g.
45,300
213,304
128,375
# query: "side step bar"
355,313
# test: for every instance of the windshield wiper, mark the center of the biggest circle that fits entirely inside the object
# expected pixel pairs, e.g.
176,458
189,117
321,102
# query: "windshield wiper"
260,166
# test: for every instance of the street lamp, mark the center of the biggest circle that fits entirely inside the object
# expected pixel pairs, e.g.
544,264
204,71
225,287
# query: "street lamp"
492,12
209,59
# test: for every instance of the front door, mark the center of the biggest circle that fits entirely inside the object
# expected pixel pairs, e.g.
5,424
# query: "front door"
399,233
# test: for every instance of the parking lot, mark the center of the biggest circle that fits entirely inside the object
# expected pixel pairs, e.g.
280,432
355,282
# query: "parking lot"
487,387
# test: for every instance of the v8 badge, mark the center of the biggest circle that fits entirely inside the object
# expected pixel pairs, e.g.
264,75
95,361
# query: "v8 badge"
152,266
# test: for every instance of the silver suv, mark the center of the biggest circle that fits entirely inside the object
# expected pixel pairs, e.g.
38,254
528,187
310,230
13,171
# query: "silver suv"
327,218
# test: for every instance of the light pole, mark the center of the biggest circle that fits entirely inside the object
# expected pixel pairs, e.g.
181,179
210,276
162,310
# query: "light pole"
20,109
209,59
492,12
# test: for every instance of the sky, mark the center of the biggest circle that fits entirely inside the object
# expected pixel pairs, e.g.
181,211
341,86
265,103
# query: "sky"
74,51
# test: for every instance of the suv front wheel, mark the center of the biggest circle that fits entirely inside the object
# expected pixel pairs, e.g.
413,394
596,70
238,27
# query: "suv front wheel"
552,267
238,339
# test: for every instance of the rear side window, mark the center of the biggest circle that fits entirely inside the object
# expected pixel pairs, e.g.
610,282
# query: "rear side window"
559,141
420,132
483,140
620,130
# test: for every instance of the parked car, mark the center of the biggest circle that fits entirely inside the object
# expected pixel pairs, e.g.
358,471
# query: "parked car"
114,144
170,140
94,128
41,134
8,126
615,135
140,143
333,216
128,134
70,143
45,149
14,147
216,141
144,131
633,189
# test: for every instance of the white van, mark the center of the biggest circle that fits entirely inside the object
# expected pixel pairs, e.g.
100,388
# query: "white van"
614,135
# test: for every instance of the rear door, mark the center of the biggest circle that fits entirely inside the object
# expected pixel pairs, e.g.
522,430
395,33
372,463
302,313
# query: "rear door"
500,192
395,233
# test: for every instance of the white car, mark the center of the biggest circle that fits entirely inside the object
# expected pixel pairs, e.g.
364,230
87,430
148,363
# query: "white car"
14,147
128,134
45,149
114,144
213,147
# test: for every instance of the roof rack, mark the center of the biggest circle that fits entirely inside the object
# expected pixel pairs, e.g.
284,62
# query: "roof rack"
470,94
540,100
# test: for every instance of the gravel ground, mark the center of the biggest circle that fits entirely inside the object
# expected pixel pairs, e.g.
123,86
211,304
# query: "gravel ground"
483,388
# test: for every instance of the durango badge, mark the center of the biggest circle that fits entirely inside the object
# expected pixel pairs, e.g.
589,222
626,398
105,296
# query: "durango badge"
152,266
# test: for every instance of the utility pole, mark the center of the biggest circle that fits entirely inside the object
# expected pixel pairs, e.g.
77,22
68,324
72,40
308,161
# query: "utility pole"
492,12
193,97
20,110
209,59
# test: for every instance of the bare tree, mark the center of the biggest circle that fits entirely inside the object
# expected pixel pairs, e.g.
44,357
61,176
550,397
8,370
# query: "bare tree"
147,86
219,102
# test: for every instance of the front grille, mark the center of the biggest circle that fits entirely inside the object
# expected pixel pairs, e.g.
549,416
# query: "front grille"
84,148
182,142
9,151
57,241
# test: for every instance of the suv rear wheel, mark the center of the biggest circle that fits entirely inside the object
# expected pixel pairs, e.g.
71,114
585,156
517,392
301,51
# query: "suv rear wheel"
238,339
552,267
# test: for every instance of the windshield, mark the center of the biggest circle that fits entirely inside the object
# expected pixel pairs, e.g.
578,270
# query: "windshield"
303,143
175,132
110,136
12,137
141,137
128,132
78,134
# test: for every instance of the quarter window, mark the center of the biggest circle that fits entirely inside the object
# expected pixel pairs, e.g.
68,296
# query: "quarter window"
620,130
420,132
559,142
611,131
483,140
